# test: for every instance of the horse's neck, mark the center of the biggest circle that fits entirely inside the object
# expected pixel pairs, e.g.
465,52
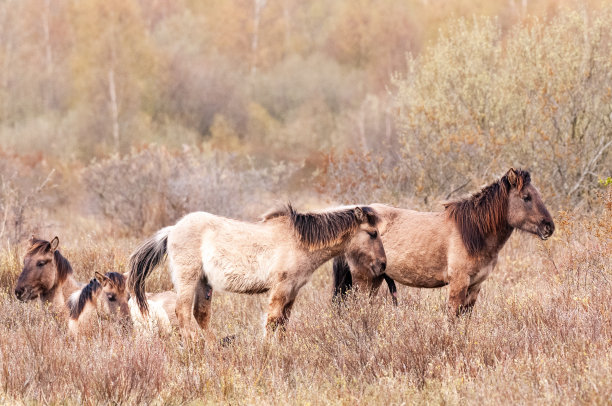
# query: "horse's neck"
496,242
321,256
69,286
58,296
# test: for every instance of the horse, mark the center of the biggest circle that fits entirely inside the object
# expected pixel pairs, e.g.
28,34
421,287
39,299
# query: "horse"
458,246
277,254
106,297
46,275
87,306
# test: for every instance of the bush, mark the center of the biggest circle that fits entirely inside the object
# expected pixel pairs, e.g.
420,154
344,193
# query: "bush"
538,97
148,189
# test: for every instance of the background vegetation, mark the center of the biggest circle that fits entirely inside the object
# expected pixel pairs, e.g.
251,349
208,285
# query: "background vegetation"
117,117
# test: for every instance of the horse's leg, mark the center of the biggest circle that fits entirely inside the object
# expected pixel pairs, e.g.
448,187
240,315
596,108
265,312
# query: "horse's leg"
470,300
201,308
279,307
457,293
185,283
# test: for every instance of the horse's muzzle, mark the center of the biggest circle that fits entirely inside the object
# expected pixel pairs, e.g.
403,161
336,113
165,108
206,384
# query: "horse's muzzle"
23,294
379,268
546,229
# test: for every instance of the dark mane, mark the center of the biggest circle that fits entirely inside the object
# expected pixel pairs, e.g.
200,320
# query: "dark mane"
117,279
43,246
324,229
86,295
63,266
484,213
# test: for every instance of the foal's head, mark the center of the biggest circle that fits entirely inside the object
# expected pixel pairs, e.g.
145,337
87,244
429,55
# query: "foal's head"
115,288
44,268
526,210
104,299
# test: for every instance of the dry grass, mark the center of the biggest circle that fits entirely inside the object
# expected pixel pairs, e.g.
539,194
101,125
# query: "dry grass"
541,333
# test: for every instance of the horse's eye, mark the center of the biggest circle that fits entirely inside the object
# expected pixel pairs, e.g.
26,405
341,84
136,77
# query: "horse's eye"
373,234
527,198
111,298
41,263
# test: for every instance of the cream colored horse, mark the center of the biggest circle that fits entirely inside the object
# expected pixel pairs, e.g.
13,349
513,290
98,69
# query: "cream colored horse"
278,254
456,247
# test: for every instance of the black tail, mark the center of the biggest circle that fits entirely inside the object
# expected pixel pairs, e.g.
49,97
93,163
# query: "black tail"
146,257
392,288
343,281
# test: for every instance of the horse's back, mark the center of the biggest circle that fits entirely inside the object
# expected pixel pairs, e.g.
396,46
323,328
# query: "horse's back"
236,256
416,244
158,317
167,301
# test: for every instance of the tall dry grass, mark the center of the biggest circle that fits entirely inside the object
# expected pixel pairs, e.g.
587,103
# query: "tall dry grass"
541,333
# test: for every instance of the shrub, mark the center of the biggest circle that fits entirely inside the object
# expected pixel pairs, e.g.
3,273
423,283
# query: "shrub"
538,97
148,189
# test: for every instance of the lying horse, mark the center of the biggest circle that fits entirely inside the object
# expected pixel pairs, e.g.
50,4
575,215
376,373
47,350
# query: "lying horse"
278,254
46,275
87,307
456,247
106,297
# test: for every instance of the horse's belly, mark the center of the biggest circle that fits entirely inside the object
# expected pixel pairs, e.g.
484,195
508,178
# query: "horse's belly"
419,280
418,274
238,273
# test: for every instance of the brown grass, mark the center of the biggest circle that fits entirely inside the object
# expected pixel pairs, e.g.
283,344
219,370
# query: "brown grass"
541,333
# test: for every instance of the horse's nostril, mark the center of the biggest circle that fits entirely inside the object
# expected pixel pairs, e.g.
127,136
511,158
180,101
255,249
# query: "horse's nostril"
549,226
18,292
383,266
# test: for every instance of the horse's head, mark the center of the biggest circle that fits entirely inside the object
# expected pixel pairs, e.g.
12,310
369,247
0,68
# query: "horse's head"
40,270
115,288
526,210
365,249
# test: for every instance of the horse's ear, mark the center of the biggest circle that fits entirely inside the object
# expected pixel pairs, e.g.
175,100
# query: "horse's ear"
359,215
102,278
512,177
32,239
54,244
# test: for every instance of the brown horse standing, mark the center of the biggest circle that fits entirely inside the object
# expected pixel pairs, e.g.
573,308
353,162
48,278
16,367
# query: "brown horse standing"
46,275
456,247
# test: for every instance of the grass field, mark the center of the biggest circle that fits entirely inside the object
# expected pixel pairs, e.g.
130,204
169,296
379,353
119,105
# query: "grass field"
118,117
541,333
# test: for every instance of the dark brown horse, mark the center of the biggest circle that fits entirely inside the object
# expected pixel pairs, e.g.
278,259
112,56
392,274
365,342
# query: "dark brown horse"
458,246
46,275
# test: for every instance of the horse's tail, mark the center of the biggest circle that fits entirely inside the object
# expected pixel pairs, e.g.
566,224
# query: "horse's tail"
142,261
343,281
392,288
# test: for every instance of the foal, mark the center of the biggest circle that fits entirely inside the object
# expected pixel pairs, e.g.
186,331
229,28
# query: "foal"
458,246
87,307
46,275
106,297
278,254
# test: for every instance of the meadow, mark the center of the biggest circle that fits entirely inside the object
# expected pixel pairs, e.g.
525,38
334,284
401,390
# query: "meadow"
230,107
